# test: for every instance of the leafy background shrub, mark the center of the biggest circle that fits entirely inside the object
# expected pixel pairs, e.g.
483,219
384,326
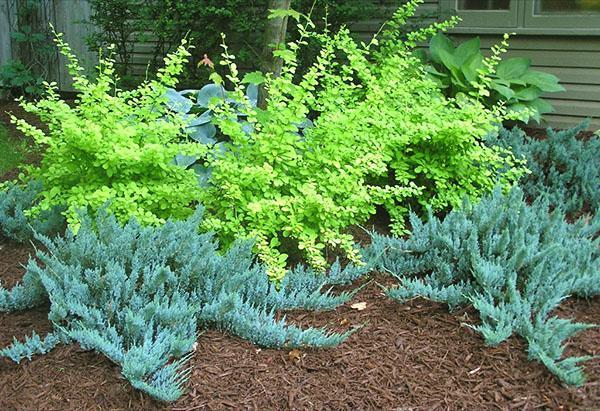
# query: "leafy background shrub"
460,70
513,262
25,74
166,22
139,295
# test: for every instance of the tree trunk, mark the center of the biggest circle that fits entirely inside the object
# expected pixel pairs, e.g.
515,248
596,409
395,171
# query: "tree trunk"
275,34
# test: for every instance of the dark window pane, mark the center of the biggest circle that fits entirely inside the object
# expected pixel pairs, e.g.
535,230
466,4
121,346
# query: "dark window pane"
567,6
483,4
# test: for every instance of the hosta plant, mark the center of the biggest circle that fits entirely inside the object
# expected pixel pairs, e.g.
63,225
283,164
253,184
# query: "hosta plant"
460,69
113,146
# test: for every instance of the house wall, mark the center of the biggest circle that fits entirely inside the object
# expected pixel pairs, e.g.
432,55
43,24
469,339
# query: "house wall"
575,59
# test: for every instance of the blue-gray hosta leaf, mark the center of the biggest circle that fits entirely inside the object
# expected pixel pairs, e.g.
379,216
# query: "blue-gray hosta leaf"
177,102
252,94
204,133
247,127
184,161
203,173
208,92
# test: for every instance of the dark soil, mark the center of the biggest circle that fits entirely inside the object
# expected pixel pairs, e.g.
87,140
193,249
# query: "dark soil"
405,356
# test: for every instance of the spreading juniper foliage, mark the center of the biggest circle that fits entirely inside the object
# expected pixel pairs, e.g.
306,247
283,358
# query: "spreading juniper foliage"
139,295
14,224
564,169
513,262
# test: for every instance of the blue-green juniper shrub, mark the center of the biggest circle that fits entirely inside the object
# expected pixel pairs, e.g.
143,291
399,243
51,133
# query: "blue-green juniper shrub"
564,169
512,261
139,295
15,199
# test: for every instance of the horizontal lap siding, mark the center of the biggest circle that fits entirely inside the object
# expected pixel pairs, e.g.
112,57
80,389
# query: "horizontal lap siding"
574,60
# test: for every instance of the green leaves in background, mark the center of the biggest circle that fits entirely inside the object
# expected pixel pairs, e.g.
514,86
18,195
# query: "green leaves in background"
460,70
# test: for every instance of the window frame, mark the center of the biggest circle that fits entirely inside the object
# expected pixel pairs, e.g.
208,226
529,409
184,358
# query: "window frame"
485,18
482,21
558,20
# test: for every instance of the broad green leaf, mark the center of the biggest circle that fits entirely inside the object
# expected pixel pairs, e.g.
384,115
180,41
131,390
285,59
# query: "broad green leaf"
255,77
438,43
471,66
506,92
449,60
528,94
282,13
541,105
545,81
512,68
421,54
435,72
467,50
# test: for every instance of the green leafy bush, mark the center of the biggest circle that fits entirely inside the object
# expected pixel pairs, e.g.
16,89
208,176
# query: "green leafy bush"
564,169
165,22
139,295
513,262
462,69
113,145
294,187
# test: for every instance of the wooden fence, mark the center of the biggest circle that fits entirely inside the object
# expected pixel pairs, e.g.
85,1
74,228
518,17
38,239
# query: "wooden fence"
67,16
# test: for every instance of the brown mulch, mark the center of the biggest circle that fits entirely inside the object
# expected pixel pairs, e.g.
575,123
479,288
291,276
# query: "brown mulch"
406,356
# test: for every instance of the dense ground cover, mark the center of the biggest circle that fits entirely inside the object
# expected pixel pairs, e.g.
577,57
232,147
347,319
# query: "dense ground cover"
415,354
136,276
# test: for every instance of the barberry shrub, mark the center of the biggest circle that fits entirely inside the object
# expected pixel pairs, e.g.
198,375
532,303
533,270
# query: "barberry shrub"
513,262
140,296
383,134
112,145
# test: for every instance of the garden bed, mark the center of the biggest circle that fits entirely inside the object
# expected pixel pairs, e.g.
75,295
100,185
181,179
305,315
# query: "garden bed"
415,355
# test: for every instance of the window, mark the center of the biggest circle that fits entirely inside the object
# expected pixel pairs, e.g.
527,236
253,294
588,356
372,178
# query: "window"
575,14
483,4
570,17
483,13
562,6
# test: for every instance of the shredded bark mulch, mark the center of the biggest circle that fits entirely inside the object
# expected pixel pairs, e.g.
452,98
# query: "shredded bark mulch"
405,356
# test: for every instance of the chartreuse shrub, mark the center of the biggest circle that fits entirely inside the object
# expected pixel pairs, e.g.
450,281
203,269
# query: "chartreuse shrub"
113,145
461,69
140,295
513,262
291,186
15,200
564,169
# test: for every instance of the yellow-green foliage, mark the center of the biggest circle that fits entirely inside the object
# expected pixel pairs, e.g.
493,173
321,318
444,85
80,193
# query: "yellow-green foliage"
383,134
113,146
